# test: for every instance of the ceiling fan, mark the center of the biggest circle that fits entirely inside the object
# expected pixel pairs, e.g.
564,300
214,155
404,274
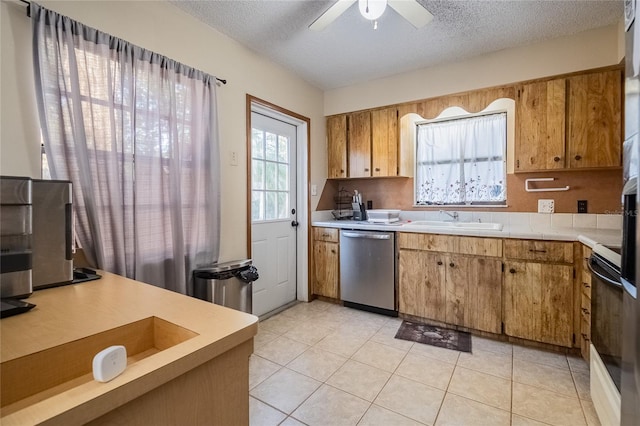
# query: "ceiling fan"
410,10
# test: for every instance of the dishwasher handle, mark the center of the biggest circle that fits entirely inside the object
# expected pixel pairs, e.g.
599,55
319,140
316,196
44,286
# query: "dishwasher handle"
367,236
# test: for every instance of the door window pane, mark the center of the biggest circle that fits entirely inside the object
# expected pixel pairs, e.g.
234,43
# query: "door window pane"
283,149
271,176
257,143
271,206
271,147
257,174
283,205
283,177
257,205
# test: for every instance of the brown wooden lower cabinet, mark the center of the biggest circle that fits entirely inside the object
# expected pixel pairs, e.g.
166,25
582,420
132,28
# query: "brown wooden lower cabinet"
459,290
326,258
422,286
585,305
538,301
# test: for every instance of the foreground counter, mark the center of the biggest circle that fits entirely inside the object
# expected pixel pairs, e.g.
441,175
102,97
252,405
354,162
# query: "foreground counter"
188,360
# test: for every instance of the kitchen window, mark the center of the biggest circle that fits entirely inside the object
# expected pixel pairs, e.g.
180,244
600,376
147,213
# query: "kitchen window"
462,161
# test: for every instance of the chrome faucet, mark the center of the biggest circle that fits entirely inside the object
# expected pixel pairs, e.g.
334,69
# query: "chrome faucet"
453,215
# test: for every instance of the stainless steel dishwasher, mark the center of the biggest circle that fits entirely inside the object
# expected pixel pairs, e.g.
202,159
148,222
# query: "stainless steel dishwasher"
368,271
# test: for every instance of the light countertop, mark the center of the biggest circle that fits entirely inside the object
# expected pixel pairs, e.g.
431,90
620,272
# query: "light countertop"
75,312
588,236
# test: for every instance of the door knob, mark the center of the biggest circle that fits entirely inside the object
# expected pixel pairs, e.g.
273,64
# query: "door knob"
294,223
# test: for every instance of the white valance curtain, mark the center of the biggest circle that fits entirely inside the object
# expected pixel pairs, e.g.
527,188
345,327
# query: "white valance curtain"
137,135
462,161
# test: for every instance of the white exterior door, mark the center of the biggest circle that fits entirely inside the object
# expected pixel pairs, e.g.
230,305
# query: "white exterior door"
273,212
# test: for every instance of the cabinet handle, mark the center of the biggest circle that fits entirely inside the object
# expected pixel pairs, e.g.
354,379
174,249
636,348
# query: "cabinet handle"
325,235
585,336
333,251
366,170
439,262
537,251
578,157
556,159
377,169
341,170
585,310
452,264
586,285
513,271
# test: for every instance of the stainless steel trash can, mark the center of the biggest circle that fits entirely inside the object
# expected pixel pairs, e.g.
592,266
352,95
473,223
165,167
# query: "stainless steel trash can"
228,284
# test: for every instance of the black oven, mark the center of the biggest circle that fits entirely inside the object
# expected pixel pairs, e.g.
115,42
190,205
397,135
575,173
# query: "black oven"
606,311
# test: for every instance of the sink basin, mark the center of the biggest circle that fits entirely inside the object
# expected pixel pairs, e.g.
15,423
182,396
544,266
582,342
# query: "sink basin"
440,224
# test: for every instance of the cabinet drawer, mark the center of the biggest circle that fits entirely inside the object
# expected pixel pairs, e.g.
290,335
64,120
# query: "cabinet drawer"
585,309
489,247
543,251
586,284
331,235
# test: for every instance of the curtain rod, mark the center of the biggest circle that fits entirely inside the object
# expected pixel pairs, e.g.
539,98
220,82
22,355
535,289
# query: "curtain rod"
221,80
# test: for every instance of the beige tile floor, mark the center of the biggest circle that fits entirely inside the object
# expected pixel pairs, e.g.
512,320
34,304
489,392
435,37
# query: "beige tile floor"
322,364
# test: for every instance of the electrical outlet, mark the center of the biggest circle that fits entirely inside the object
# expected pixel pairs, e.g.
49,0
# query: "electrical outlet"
582,206
545,206
369,205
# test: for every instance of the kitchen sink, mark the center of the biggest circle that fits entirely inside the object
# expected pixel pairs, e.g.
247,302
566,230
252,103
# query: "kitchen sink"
441,224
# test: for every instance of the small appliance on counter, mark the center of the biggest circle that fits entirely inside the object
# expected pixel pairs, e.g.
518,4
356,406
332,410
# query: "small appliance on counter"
52,233
382,216
16,256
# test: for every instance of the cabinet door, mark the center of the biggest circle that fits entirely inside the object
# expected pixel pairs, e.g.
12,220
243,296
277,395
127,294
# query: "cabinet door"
538,302
337,146
325,260
540,126
458,280
360,144
384,142
485,295
422,290
474,293
595,102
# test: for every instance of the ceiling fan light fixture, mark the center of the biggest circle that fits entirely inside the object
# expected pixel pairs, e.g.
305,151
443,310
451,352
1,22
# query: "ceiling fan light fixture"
372,9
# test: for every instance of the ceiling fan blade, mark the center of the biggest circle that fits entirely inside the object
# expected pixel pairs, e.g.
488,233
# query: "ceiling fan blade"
331,14
412,11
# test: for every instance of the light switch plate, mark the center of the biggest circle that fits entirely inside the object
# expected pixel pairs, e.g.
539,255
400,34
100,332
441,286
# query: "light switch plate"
545,206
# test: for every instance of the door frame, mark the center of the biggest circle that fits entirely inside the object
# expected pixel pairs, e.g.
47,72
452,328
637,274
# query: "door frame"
303,136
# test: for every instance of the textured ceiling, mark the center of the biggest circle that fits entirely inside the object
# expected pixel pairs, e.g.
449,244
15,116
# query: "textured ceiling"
349,50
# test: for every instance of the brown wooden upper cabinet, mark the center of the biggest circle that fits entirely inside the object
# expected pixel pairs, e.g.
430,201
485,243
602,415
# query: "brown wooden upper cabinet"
569,123
337,146
359,144
368,139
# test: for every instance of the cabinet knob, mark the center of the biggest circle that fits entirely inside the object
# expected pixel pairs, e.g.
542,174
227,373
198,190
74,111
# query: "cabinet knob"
366,170
377,169
556,159
452,264
439,262
578,157
586,285
341,170
513,271
333,251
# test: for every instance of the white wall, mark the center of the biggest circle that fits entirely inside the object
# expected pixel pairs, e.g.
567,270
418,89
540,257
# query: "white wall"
163,28
590,49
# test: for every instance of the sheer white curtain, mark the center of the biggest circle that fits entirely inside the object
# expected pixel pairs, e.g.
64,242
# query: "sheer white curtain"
462,161
136,133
